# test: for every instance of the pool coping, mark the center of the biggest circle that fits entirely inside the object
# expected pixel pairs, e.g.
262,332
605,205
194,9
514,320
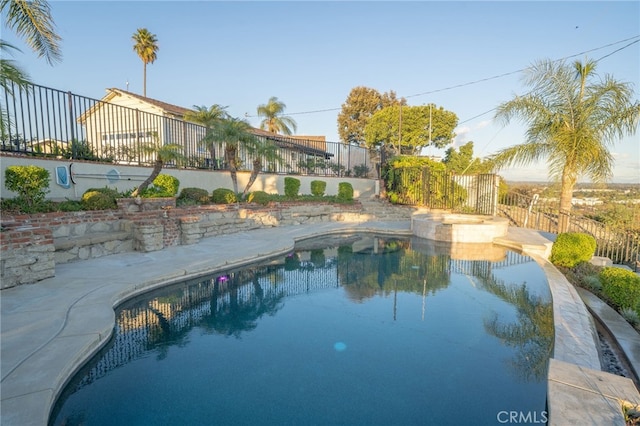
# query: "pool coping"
51,328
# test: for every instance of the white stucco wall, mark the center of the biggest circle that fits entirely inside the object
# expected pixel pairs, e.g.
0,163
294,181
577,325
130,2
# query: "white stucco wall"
94,175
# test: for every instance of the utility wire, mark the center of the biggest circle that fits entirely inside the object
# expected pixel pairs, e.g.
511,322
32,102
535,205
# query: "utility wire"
636,39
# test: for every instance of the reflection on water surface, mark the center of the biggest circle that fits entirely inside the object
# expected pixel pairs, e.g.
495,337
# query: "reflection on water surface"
356,329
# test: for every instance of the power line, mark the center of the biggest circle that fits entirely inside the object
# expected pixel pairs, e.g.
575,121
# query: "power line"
636,39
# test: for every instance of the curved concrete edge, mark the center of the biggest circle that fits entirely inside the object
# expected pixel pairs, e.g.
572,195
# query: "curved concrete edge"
578,392
32,381
627,338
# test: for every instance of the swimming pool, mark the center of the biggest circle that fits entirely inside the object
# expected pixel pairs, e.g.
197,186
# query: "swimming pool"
356,329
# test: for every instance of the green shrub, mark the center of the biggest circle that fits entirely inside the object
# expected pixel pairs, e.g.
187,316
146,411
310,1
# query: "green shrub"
572,248
592,282
167,184
345,191
631,316
193,196
223,196
259,197
96,200
621,286
318,187
291,187
361,171
70,206
30,182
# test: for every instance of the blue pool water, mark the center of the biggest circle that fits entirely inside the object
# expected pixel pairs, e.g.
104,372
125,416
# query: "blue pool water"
349,330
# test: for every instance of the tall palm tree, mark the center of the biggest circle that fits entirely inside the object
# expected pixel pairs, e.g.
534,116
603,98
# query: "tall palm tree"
146,46
233,133
163,153
572,120
273,120
31,20
209,118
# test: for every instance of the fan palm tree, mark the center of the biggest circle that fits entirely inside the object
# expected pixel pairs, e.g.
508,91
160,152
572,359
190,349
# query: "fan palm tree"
208,117
232,133
163,153
572,120
31,20
273,120
146,46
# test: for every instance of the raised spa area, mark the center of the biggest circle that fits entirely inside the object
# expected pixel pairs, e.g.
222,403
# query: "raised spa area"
351,329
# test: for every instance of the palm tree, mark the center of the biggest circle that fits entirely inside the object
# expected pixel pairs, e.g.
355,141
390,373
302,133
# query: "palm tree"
31,20
209,118
232,133
146,46
274,121
163,153
266,151
571,122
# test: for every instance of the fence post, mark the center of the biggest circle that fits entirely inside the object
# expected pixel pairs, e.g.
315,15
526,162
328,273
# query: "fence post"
74,147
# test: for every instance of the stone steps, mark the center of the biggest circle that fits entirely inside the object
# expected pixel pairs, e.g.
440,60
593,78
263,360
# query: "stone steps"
383,210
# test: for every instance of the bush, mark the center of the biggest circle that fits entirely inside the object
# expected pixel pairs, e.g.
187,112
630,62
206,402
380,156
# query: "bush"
259,197
96,200
345,191
572,248
621,286
193,196
361,171
291,187
318,187
167,184
70,206
30,182
223,196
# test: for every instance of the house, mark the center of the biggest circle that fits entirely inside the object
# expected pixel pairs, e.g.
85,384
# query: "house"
122,122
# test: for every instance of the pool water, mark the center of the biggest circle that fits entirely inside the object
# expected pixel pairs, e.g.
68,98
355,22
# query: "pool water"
349,330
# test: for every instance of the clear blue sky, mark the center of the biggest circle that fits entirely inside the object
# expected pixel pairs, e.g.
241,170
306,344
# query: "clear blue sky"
311,54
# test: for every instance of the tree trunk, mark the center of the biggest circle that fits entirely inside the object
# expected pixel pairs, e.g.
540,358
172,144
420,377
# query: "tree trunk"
566,194
257,168
157,167
144,79
230,154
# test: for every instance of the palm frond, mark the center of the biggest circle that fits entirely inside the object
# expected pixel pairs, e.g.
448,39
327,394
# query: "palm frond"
32,21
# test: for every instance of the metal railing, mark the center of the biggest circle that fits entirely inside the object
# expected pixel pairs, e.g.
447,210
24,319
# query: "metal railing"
421,186
621,245
42,121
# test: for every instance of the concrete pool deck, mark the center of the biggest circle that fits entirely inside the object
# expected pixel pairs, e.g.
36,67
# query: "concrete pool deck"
50,328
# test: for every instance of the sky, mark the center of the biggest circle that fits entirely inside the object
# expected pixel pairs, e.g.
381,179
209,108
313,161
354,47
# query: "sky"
467,57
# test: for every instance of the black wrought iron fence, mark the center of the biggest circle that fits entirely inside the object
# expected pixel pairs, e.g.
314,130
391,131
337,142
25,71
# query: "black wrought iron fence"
620,244
421,186
42,121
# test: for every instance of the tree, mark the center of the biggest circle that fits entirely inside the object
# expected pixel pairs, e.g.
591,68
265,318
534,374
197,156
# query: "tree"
260,152
572,120
463,162
209,118
146,46
232,133
383,128
31,20
359,107
163,153
274,121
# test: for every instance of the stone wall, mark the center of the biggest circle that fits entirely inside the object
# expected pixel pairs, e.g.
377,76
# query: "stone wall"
27,255
33,244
